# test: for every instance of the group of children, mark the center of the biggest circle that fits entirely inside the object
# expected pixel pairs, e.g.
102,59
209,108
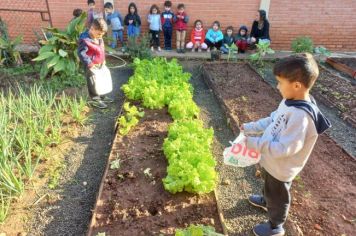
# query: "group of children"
285,139
168,21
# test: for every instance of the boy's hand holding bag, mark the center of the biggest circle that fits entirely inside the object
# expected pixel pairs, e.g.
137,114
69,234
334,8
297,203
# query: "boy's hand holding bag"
239,155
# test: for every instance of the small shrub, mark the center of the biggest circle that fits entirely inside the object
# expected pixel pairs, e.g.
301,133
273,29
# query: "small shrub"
263,48
139,47
59,53
9,55
302,44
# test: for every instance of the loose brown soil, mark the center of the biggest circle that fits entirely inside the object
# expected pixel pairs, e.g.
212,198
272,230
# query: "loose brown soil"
337,92
324,196
135,203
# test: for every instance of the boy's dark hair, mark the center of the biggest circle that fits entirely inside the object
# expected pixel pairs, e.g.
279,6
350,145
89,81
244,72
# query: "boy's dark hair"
132,4
154,6
180,6
216,23
299,67
77,12
100,24
167,3
91,2
230,28
195,22
108,5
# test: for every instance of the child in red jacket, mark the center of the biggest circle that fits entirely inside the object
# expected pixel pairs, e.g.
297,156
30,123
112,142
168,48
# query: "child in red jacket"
197,37
91,52
181,20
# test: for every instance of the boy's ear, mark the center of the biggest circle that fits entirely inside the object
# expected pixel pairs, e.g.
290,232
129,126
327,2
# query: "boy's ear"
298,85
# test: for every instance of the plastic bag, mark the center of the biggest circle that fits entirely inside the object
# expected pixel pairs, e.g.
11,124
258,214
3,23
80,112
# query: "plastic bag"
239,155
102,80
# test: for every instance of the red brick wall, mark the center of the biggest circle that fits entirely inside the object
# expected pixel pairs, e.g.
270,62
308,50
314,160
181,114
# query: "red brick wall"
24,23
330,23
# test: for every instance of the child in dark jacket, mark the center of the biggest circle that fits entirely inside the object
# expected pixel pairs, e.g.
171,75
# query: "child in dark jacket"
167,25
181,20
242,40
132,21
228,39
114,19
91,52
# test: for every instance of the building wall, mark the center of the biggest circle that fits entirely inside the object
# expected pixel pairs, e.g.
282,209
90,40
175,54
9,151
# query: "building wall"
330,23
23,23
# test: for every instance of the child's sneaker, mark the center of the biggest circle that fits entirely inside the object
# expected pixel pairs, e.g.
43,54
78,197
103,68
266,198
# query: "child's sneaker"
182,50
107,99
258,201
98,103
266,229
199,49
193,50
159,49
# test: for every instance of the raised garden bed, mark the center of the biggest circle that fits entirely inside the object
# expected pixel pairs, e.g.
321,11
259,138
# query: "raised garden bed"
345,65
131,202
324,200
338,93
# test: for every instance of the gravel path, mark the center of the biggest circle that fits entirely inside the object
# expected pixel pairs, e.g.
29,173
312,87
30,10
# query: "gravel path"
240,217
85,162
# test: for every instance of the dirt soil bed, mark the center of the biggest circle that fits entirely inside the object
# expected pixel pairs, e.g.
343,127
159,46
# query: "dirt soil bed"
135,203
337,92
324,195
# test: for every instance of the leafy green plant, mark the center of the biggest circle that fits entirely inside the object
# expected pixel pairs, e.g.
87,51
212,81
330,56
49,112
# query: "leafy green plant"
158,83
130,119
59,53
115,164
232,52
139,47
302,44
197,230
263,48
191,163
322,51
9,55
30,122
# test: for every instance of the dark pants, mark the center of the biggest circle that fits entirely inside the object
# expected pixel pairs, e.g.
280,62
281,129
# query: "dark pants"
154,38
212,45
91,85
277,197
167,32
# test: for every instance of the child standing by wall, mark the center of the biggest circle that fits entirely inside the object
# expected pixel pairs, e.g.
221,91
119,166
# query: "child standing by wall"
91,52
288,138
228,39
197,37
90,13
114,19
132,21
154,19
167,25
214,37
181,20
242,40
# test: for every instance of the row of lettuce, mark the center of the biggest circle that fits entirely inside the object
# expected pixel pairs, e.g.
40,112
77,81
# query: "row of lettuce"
191,165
